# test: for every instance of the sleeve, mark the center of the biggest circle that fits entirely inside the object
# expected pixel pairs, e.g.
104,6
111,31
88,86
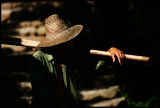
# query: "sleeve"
41,79
40,68
36,71
99,64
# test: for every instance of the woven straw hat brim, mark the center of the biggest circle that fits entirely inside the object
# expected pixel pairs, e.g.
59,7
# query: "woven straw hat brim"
61,37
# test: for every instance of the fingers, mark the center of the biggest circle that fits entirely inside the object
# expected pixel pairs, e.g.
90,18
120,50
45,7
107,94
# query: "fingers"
113,58
119,55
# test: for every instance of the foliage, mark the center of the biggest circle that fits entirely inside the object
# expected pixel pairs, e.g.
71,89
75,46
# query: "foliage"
131,102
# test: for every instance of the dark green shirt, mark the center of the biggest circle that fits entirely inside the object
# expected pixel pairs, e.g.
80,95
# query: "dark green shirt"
44,79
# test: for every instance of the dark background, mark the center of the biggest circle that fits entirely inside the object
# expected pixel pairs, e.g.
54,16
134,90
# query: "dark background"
130,25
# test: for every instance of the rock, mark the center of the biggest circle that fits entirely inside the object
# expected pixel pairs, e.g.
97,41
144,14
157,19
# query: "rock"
7,5
5,14
25,85
36,23
28,99
31,37
26,30
103,93
108,103
41,30
25,24
15,49
16,4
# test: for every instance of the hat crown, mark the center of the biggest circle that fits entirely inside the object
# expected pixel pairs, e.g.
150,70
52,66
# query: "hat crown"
54,24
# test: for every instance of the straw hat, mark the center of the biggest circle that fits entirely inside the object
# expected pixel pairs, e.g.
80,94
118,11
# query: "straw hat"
58,32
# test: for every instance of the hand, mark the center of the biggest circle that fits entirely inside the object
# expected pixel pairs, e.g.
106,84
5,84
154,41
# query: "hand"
116,52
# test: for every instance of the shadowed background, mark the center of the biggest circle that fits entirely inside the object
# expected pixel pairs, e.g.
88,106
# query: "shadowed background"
128,25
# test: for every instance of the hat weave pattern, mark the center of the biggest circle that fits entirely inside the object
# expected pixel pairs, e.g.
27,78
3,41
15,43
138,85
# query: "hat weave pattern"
58,32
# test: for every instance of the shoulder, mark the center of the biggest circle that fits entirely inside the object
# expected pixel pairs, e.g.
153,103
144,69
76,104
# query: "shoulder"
38,53
41,55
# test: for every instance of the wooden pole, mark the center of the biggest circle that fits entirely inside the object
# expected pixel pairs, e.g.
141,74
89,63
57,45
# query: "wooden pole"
19,42
31,43
128,56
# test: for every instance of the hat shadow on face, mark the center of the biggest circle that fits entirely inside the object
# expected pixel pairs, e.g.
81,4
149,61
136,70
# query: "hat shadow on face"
64,51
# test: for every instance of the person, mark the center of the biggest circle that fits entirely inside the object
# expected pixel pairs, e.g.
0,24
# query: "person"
52,83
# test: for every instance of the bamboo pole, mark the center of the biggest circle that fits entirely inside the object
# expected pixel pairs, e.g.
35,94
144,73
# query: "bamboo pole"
128,56
19,42
31,43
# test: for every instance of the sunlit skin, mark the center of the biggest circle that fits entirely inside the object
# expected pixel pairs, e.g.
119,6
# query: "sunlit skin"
116,52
